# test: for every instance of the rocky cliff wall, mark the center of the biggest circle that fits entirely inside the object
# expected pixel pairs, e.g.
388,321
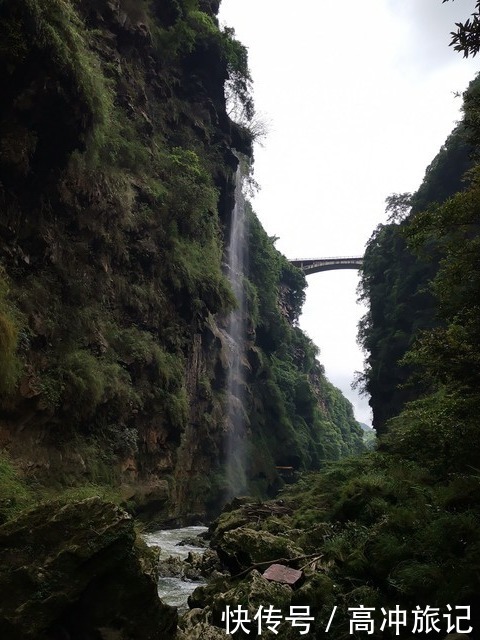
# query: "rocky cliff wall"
117,186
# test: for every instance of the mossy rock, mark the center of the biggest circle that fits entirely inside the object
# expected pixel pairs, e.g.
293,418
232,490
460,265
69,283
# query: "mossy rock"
75,567
316,592
243,548
232,517
211,602
203,595
202,631
313,538
251,593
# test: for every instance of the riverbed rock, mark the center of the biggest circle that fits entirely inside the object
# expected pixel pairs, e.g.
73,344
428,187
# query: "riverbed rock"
73,571
193,566
171,566
210,563
193,541
242,512
242,548
202,631
203,595
250,593
201,565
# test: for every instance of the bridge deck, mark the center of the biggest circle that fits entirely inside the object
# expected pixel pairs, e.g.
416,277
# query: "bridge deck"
315,265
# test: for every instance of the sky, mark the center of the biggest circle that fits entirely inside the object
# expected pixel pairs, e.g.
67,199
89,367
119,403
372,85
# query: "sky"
357,97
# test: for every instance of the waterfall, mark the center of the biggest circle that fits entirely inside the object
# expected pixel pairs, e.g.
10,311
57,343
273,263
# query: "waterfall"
236,328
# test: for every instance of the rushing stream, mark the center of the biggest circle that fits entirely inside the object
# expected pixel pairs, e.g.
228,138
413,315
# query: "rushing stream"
173,590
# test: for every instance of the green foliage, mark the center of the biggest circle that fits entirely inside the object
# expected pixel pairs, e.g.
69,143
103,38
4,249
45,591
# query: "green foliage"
395,286
11,364
90,381
202,22
286,417
467,37
400,261
445,174
420,503
14,492
447,356
379,534
65,496
138,209
238,87
382,522
18,493
370,440
193,31
53,28
398,206
120,265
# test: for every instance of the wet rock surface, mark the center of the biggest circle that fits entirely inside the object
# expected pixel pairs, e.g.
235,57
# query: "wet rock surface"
75,571
244,547
247,551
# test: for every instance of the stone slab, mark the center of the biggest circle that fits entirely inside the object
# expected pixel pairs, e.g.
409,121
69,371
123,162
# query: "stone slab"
283,574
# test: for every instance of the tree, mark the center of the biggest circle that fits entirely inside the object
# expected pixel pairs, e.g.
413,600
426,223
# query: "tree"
398,206
467,36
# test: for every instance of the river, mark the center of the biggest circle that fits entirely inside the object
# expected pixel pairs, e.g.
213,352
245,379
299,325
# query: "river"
173,590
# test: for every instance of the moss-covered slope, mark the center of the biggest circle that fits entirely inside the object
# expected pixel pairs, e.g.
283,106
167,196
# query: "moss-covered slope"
117,186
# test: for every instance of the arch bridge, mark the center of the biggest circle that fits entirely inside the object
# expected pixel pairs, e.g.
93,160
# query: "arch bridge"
315,265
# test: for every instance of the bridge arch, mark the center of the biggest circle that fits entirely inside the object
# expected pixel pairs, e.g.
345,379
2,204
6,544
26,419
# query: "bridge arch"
316,265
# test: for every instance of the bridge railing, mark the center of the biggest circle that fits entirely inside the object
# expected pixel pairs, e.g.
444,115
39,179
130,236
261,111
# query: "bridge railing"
327,258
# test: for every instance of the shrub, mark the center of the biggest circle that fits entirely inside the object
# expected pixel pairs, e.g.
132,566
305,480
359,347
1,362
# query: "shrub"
14,493
10,363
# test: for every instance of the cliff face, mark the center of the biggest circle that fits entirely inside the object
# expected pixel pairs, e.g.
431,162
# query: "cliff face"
396,283
117,185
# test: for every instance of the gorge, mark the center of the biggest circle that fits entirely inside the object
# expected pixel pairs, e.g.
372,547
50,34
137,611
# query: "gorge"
152,368
115,299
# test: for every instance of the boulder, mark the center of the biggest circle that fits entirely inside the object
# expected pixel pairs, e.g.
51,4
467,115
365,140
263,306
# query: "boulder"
193,541
251,593
242,548
75,571
202,631
171,566
202,596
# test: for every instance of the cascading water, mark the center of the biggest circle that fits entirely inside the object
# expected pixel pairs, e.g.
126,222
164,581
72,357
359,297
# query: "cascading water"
236,328
173,589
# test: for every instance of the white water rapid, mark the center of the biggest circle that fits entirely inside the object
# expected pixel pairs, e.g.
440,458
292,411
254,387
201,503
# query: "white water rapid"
172,589
236,328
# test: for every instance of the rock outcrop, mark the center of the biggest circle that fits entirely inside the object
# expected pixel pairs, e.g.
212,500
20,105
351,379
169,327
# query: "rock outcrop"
76,571
117,185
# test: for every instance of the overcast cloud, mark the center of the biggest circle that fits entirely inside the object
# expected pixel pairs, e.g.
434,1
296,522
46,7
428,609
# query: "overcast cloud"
359,96
428,24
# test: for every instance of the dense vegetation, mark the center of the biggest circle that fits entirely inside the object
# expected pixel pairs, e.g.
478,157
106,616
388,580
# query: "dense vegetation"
395,279
116,191
117,185
409,514
396,529
298,417
112,240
